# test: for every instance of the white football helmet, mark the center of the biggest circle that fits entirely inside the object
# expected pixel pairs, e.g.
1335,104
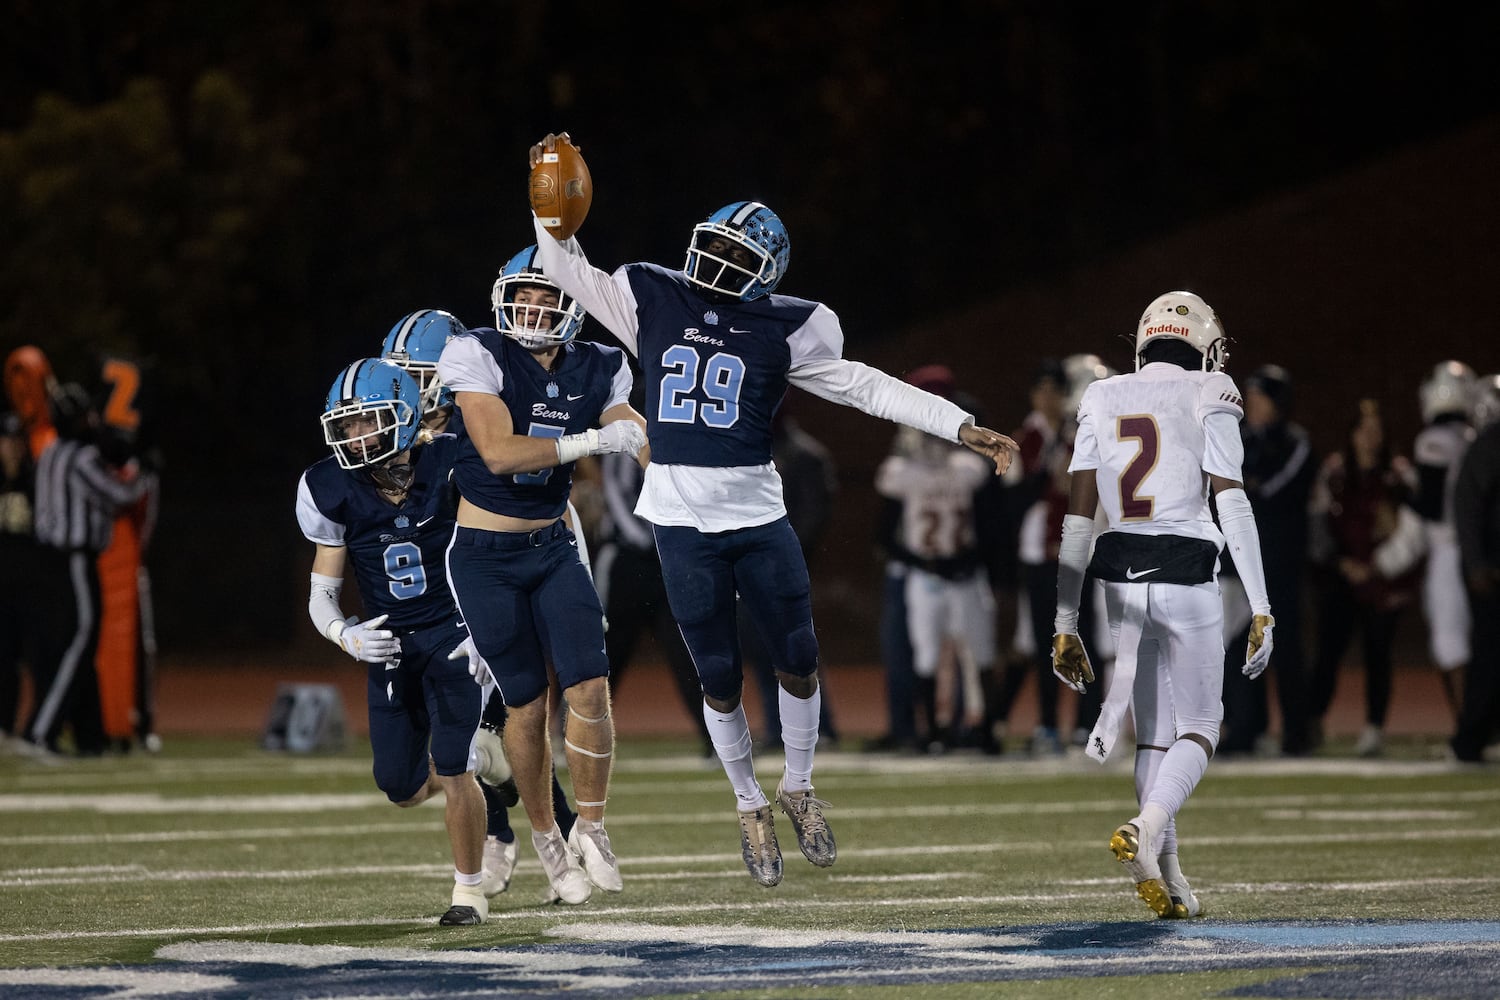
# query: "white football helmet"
1486,407
1185,315
1449,389
1080,370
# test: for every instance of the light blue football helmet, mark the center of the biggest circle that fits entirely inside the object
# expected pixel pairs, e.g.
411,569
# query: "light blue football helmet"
415,343
372,413
748,224
535,325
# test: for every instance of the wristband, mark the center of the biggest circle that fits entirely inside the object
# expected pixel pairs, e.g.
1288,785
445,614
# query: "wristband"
572,447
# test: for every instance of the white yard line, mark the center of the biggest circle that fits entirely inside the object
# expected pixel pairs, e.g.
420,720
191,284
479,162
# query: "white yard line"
782,904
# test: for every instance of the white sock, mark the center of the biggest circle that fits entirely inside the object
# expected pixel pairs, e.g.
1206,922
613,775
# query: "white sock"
1171,868
1147,766
462,878
1148,762
1181,770
799,735
731,738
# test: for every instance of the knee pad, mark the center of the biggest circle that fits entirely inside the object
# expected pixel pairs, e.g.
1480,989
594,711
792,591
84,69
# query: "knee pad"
801,651
401,785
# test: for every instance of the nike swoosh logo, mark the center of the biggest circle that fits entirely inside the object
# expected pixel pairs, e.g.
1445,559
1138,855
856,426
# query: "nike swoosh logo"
425,520
573,399
1132,575
733,330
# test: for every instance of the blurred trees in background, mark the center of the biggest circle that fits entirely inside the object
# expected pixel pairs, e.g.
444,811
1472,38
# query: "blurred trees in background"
247,194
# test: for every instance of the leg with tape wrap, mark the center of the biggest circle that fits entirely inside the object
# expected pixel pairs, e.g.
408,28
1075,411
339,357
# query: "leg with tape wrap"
589,741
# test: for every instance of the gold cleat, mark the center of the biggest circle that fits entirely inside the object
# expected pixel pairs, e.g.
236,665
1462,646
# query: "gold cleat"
1126,846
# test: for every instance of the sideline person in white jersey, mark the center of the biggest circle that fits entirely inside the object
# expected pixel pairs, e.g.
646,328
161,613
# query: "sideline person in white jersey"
717,351
1152,445
1446,396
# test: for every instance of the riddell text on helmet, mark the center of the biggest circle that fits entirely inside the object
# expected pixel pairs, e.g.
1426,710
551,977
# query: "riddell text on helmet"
1181,331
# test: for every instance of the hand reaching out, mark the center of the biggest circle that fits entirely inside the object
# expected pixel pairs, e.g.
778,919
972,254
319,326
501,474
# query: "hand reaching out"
991,444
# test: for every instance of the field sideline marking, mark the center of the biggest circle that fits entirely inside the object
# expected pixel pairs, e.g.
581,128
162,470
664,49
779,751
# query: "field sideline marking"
149,803
551,913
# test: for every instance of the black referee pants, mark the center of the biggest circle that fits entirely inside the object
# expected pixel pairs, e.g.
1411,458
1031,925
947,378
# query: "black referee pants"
67,694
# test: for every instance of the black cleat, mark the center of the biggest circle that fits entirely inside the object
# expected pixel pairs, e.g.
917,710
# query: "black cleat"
461,916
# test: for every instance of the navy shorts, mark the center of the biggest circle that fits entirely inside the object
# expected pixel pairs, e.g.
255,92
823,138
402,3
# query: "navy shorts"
764,566
528,600
424,703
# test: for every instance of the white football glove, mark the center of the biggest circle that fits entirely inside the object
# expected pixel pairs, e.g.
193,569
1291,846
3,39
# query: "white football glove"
367,641
621,436
1258,649
478,669
1070,661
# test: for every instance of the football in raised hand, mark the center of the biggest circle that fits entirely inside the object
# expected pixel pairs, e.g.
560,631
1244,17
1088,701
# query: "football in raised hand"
561,190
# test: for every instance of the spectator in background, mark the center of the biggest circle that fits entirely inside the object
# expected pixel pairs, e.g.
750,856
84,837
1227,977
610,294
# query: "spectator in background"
20,641
1041,494
950,609
808,484
1368,544
1476,520
1279,468
1445,397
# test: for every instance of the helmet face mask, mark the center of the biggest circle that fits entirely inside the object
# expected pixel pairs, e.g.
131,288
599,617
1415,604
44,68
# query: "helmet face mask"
530,308
1081,371
740,252
1486,406
414,344
1448,389
371,414
1186,316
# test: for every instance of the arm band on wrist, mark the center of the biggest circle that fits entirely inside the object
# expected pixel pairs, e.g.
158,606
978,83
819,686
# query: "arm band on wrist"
1072,564
572,447
323,606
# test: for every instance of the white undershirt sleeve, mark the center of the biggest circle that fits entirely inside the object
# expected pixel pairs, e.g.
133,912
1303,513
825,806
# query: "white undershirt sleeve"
605,297
1072,564
1237,521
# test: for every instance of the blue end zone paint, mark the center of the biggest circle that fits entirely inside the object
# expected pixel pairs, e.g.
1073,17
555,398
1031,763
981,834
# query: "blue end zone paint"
1447,959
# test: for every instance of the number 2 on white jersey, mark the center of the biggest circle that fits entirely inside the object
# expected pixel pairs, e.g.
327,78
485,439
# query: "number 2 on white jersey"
1141,428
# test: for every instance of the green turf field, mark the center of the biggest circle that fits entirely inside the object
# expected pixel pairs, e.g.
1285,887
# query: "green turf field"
212,850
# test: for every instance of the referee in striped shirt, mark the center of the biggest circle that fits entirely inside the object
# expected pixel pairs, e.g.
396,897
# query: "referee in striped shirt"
78,495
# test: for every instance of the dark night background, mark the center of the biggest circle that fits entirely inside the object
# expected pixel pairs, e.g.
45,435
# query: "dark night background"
245,196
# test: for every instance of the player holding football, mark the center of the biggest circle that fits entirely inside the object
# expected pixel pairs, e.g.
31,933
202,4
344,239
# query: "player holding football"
717,351
382,502
534,401
1151,445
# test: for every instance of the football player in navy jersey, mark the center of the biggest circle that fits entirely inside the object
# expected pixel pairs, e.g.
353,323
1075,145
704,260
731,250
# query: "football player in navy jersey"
534,401
382,503
717,352
415,344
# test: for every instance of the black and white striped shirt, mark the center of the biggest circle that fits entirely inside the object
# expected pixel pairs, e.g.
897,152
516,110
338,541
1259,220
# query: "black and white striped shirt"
78,497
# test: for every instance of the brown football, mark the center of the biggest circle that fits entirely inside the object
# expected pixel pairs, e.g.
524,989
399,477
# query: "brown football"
561,190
